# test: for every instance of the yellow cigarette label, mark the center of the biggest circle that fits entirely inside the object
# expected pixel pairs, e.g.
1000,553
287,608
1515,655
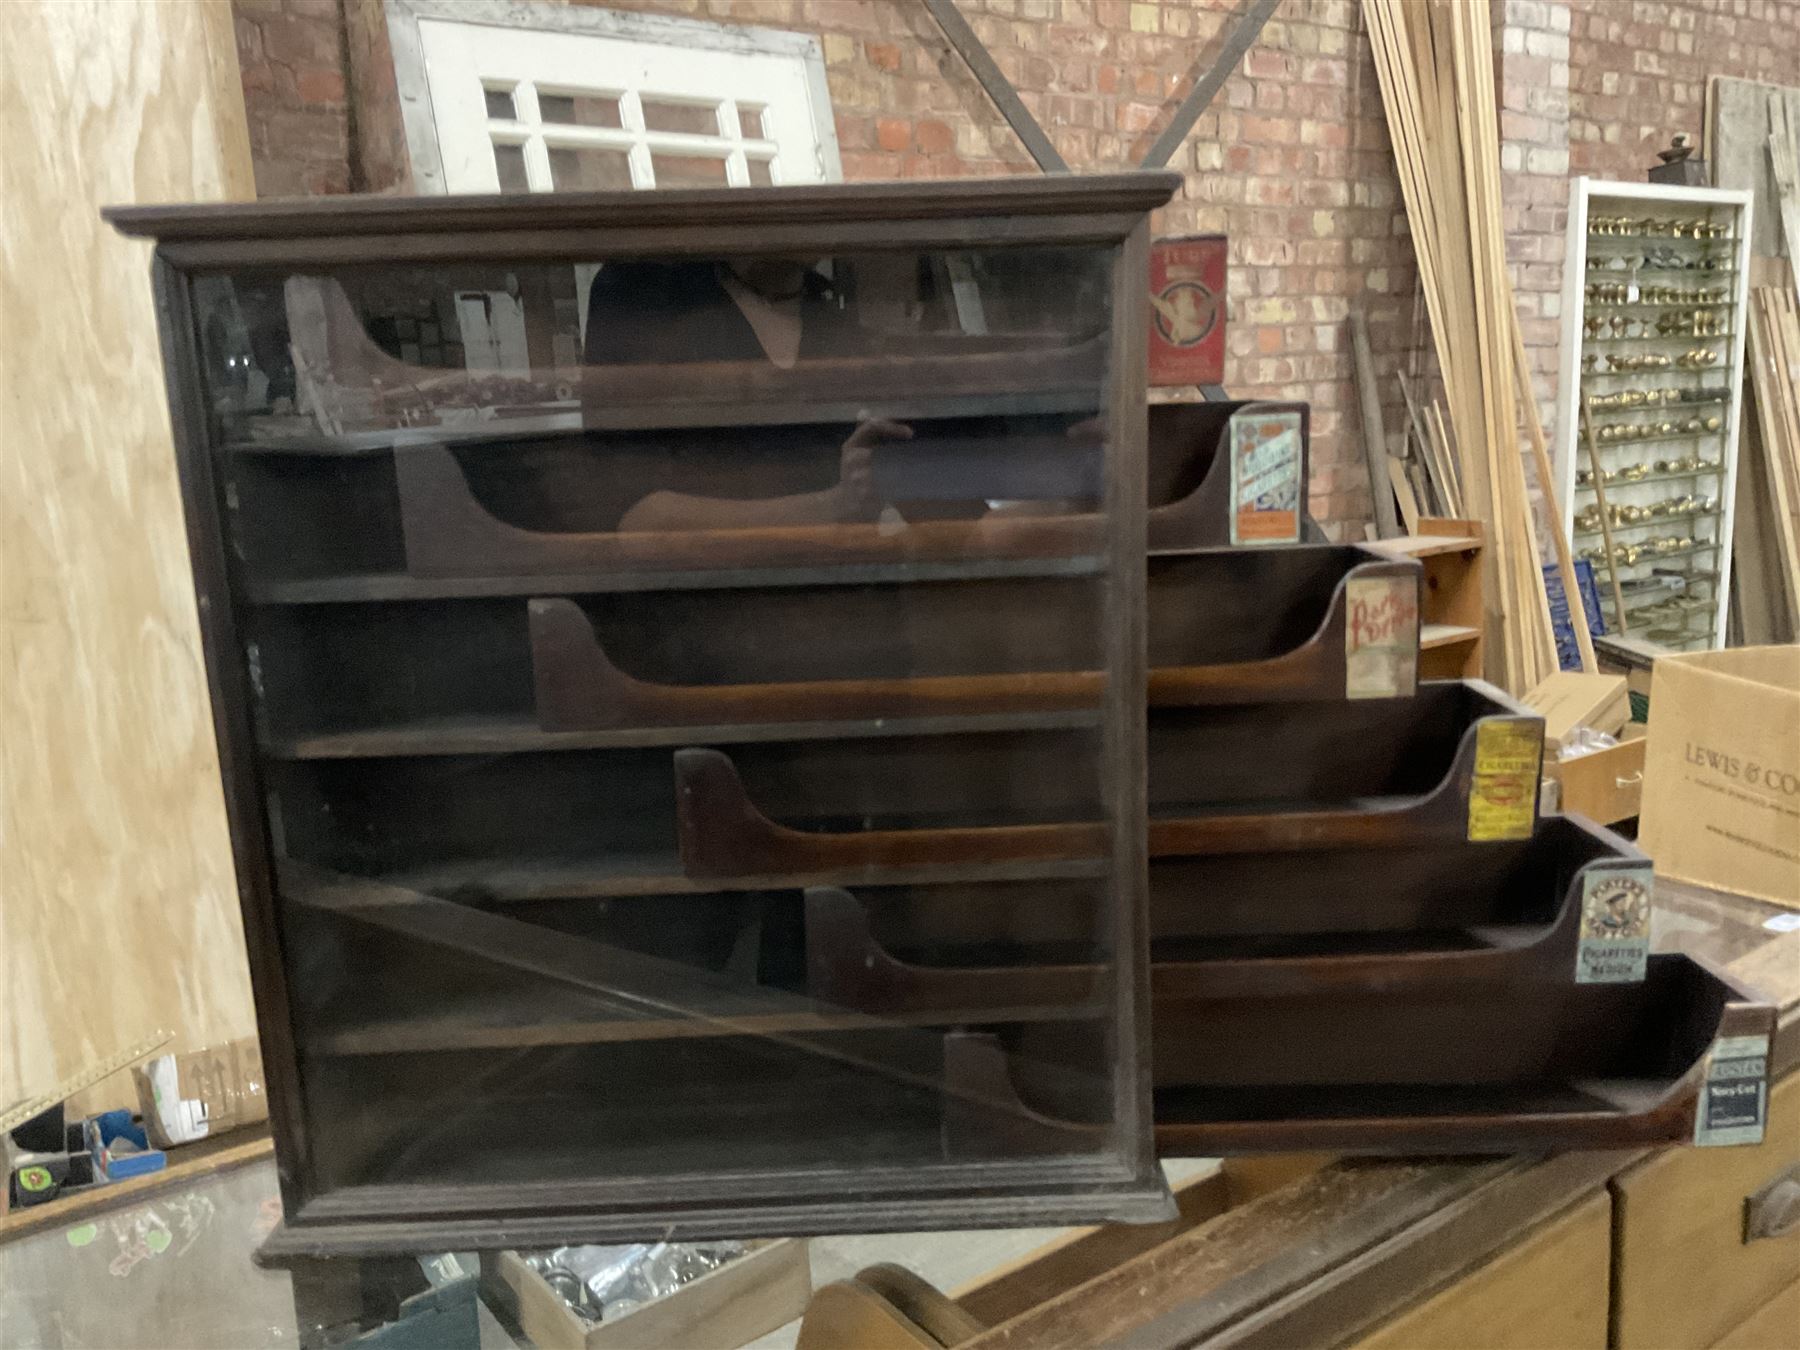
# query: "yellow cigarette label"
1503,793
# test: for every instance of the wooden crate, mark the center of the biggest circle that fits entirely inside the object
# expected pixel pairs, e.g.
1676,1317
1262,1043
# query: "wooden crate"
765,1288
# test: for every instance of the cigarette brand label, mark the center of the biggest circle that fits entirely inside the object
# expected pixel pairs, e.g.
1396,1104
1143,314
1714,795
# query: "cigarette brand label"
1615,925
1381,637
1734,1103
1265,478
1503,792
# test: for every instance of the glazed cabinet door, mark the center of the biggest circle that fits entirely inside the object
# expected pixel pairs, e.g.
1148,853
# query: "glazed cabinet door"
639,653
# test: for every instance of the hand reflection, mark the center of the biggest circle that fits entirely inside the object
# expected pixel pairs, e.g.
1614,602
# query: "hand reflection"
852,499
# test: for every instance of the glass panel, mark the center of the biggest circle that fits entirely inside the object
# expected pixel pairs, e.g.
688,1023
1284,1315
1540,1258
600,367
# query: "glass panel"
589,168
750,123
509,163
688,762
500,103
759,173
696,119
688,170
579,110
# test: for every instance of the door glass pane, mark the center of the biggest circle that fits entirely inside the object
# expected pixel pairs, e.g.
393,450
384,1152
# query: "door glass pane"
589,168
688,170
760,175
750,122
509,164
499,103
687,760
696,119
579,110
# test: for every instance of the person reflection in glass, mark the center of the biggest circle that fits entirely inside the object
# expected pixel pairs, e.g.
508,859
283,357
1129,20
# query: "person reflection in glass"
774,309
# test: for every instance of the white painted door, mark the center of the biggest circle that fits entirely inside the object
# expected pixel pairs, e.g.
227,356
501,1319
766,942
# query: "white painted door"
683,105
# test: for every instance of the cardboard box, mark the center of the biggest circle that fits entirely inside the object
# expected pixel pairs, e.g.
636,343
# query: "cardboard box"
1722,772
1570,699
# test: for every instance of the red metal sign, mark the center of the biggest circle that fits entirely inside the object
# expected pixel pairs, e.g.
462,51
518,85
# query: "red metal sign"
1187,310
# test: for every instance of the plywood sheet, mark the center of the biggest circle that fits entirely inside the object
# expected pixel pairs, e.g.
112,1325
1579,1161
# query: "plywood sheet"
1737,121
118,911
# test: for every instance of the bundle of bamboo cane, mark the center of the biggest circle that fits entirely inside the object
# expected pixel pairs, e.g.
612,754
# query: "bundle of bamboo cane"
1434,60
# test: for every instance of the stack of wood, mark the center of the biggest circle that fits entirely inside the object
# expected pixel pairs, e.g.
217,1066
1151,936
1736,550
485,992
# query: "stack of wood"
1434,59
1773,464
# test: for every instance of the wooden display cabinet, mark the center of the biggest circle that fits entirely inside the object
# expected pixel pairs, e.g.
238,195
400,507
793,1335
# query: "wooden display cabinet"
469,630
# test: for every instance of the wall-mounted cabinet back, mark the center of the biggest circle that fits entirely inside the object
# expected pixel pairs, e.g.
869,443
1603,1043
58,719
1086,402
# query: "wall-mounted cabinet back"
503,508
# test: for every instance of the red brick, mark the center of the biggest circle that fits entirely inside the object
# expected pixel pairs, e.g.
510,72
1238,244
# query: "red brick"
300,42
934,137
893,133
320,86
883,55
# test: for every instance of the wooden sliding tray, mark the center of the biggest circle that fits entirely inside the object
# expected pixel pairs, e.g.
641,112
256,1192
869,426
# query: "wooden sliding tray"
1232,472
1460,761
615,660
1388,999
492,501
1230,932
496,504
1681,1057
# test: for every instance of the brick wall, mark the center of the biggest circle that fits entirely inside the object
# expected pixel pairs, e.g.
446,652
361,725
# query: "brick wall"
291,54
1292,160
1639,71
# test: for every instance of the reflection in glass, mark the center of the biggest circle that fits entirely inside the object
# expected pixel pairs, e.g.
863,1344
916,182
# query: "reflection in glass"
499,103
673,171
589,168
694,119
683,680
509,165
579,109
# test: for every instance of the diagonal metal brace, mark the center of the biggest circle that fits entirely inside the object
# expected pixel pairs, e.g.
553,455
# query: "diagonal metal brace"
1249,28
998,87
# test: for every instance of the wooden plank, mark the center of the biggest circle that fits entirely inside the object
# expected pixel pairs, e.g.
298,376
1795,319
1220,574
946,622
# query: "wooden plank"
187,1164
1368,400
1737,149
1784,166
1086,1253
1548,1289
1340,1209
1356,1294
1433,635
1621,623
848,1315
1403,493
121,905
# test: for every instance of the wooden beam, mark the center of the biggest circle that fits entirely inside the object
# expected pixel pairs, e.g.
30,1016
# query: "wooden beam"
999,88
1249,28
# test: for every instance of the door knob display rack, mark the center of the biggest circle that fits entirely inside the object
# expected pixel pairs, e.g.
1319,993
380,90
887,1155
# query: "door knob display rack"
679,790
